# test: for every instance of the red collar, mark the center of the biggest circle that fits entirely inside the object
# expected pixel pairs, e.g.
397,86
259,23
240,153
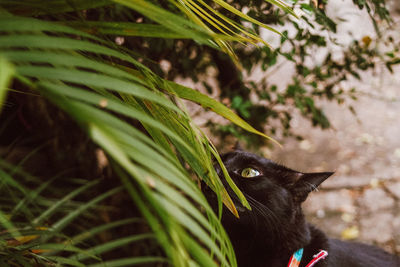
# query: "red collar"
296,258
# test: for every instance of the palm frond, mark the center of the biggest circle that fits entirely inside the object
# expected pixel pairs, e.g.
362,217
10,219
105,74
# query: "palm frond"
103,88
6,74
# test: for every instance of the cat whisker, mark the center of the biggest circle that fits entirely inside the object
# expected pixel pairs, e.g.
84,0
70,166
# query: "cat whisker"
264,211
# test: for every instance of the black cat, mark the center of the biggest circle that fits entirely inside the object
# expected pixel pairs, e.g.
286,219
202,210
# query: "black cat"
274,233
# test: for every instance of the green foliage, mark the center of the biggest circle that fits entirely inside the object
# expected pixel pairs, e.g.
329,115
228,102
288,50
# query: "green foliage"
317,82
78,102
6,73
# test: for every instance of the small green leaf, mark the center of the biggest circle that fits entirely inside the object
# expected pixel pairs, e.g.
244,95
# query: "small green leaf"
6,73
217,107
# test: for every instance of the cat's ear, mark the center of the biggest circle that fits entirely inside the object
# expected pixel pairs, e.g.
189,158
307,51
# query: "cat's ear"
237,146
306,183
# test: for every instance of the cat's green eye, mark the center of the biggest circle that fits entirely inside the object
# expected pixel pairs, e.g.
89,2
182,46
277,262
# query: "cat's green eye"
249,173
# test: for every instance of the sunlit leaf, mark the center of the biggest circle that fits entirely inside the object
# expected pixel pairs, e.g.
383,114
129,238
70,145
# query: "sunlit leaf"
6,73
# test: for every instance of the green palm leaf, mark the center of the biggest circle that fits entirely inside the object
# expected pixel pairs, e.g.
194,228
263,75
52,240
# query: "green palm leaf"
103,87
6,73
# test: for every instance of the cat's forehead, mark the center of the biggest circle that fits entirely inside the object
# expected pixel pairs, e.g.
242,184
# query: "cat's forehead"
242,158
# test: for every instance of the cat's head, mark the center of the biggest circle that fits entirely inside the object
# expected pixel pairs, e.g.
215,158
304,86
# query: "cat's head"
275,194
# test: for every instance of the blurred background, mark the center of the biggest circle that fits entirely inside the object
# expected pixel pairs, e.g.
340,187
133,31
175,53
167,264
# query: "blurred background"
362,200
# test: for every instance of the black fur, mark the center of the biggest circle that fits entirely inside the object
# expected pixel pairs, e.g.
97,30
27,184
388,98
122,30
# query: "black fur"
275,228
